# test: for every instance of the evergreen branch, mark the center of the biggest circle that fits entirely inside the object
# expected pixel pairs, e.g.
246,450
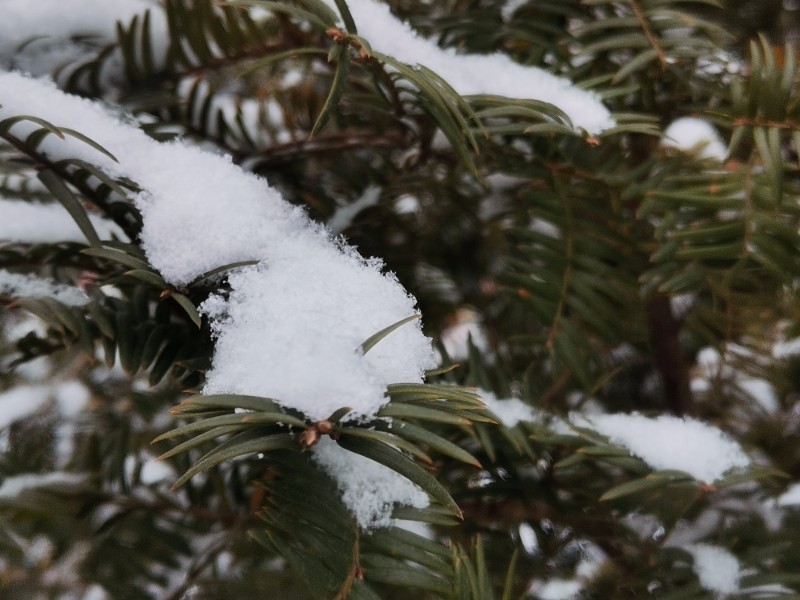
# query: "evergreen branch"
131,229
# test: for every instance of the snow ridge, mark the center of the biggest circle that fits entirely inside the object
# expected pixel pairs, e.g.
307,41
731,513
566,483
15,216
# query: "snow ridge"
291,325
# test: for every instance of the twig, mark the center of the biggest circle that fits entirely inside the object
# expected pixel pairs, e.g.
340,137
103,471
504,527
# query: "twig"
648,33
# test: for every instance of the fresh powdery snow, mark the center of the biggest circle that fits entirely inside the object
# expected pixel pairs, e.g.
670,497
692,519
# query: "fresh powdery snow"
471,74
292,324
717,569
691,134
13,486
35,223
791,497
39,37
19,285
510,411
667,442
368,488
21,402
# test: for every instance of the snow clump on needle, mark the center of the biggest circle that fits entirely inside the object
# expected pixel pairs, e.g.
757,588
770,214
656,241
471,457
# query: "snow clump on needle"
717,569
667,442
368,488
698,136
509,411
19,285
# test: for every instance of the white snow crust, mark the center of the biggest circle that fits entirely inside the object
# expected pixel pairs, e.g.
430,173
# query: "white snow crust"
35,223
694,135
717,569
368,489
510,411
292,324
19,285
668,442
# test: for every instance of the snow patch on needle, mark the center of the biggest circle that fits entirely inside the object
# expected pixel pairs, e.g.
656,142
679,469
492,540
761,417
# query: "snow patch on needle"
697,136
667,442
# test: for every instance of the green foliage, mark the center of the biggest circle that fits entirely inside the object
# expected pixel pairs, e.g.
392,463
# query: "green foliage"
571,251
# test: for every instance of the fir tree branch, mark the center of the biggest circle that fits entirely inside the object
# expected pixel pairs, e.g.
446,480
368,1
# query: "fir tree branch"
131,229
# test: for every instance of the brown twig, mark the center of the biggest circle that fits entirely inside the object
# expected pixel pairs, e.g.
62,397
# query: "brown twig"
648,33
282,153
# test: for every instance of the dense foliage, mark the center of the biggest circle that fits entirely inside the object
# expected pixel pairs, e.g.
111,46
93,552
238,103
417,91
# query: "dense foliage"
602,272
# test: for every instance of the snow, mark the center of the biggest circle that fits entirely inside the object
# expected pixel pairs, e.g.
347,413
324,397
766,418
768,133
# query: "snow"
72,397
151,470
509,8
466,326
696,136
416,527
38,37
303,310
787,348
344,215
21,402
13,486
368,489
528,539
95,592
591,561
510,412
761,391
790,497
713,366
668,442
471,74
291,326
304,318
717,569
557,589
34,223
17,285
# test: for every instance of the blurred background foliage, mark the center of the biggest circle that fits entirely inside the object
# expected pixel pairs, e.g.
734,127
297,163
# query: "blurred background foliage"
575,272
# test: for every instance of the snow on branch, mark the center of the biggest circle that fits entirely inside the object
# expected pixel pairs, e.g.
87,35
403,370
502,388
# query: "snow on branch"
695,136
368,488
667,442
291,325
35,223
38,37
471,74
509,411
717,569
17,285
17,484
